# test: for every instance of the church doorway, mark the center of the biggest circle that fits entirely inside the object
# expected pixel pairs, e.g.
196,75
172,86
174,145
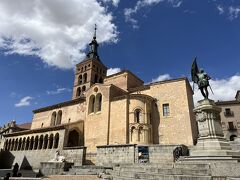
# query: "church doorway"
73,138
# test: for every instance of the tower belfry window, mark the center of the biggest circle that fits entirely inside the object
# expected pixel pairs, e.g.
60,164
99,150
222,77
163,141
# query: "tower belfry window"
78,92
95,78
80,79
85,78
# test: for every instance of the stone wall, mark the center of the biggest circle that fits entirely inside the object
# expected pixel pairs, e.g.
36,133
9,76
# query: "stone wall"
115,154
128,154
74,155
180,122
32,159
163,153
70,113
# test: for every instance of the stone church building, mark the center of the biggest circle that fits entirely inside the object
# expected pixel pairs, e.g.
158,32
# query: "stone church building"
106,110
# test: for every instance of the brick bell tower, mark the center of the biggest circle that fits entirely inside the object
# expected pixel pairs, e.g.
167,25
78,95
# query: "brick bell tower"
90,71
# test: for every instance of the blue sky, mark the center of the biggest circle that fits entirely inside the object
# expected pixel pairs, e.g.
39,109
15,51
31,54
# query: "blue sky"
41,41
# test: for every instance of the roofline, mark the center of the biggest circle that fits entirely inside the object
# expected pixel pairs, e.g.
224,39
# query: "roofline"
147,86
39,130
59,105
124,71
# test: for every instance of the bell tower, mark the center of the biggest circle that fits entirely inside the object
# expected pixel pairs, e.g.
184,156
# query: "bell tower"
90,71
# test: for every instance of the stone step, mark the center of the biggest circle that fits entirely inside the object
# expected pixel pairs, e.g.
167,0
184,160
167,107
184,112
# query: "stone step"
189,165
145,176
180,171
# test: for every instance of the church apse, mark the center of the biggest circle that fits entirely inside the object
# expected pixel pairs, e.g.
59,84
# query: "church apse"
140,127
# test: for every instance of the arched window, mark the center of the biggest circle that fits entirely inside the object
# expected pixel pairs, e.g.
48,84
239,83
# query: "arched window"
134,135
141,134
84,77
83,88
50,144
23,144
16,145
98,102
45,142
91,104
59,117
12,146
80,79
53,119
27,143
9,145
95,78
31,143
56,141
78,92
73,138
137,115
19,144
36,143
6,145
40,142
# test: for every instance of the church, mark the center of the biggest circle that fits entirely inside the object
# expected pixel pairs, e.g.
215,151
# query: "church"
115,110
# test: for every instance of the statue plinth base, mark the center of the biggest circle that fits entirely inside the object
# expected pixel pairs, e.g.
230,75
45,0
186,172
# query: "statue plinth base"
211,143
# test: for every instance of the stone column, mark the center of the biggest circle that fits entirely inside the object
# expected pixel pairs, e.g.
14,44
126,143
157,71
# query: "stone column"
211,141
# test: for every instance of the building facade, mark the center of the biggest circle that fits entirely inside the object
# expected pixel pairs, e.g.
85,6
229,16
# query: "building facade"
107,110
230,117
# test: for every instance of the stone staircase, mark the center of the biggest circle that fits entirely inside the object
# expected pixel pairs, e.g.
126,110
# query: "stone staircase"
87,170
161,171
166,171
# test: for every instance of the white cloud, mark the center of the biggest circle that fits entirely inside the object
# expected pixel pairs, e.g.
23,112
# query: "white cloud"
162,77
114,2
58,91
234,12
223,89
220,9
25,101
129,12
111,71
57,31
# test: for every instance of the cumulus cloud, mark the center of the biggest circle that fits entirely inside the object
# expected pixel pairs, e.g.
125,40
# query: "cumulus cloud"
25,101
111,71
58,91
129,12
162,77
56,31
114,2
224,89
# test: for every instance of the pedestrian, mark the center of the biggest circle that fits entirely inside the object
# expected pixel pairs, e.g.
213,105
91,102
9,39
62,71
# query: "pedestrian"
15,170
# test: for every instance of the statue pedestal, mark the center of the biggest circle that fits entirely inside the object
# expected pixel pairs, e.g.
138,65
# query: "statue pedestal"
211,142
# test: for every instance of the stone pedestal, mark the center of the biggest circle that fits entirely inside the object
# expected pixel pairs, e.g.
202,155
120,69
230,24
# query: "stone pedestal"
54,168
211,142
